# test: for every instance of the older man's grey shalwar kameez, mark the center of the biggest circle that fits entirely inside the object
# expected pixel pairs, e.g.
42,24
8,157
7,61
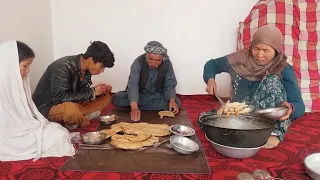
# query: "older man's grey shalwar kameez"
149,97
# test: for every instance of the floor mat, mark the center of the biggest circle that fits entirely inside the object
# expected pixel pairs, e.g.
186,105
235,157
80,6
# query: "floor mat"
151,159
285,161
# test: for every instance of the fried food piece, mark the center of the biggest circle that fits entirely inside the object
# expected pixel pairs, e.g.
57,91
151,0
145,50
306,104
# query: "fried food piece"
166,113
234,108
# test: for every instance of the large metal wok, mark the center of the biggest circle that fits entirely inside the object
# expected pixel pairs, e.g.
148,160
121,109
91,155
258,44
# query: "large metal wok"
243,131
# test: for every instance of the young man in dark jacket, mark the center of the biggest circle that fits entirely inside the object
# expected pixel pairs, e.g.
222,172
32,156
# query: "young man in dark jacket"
63,93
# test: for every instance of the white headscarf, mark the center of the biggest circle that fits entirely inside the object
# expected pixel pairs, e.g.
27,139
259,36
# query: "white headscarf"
24,132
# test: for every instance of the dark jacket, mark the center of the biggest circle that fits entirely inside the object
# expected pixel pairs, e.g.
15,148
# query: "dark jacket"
61,83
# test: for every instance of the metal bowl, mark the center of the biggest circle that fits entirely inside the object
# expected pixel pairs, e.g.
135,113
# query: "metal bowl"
182,130
108,119
93,138
272,113
312,163
233,152
183,145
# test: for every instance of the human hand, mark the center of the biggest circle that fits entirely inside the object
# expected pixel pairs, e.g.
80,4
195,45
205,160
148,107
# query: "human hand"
100,89
135,115
287,115
173,107
109,89
211,86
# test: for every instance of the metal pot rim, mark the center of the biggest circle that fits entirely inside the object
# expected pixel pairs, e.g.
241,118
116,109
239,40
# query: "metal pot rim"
233,147
271,122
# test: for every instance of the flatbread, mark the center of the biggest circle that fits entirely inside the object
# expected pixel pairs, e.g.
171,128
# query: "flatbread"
119,138
159,129
136,135
140,128
110,132
166,113
121,142
150,141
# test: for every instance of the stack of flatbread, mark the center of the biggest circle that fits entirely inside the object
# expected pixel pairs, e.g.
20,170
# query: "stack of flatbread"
136,135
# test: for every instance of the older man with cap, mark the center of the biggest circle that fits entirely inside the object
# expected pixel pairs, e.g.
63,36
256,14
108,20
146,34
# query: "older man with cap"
151,84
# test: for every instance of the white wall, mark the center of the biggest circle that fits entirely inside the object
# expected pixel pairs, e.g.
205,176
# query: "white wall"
30,22
193,31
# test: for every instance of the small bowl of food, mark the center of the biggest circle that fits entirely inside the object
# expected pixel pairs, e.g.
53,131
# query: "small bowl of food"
183,145
182,130
272,113
312,164
108,119
93,138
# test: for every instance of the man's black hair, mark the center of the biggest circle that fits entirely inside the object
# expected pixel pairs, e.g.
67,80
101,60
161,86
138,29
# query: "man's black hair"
101,53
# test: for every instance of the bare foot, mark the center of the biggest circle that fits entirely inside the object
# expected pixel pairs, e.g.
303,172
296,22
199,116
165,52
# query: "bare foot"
93,115
272,142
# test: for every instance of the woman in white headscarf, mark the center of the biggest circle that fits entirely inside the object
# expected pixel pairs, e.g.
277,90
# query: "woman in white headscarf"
24,132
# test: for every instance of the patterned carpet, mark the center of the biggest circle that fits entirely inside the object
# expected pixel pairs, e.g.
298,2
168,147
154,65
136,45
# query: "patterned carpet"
285,161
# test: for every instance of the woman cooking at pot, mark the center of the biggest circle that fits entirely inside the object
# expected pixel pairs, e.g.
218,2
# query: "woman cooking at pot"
262,78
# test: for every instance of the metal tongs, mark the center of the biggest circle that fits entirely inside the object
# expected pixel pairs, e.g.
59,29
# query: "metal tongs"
219,98
89,146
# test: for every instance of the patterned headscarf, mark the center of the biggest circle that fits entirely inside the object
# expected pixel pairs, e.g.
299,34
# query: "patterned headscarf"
156,47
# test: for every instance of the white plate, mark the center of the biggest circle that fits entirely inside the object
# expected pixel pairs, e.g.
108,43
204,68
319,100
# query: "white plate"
312,163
